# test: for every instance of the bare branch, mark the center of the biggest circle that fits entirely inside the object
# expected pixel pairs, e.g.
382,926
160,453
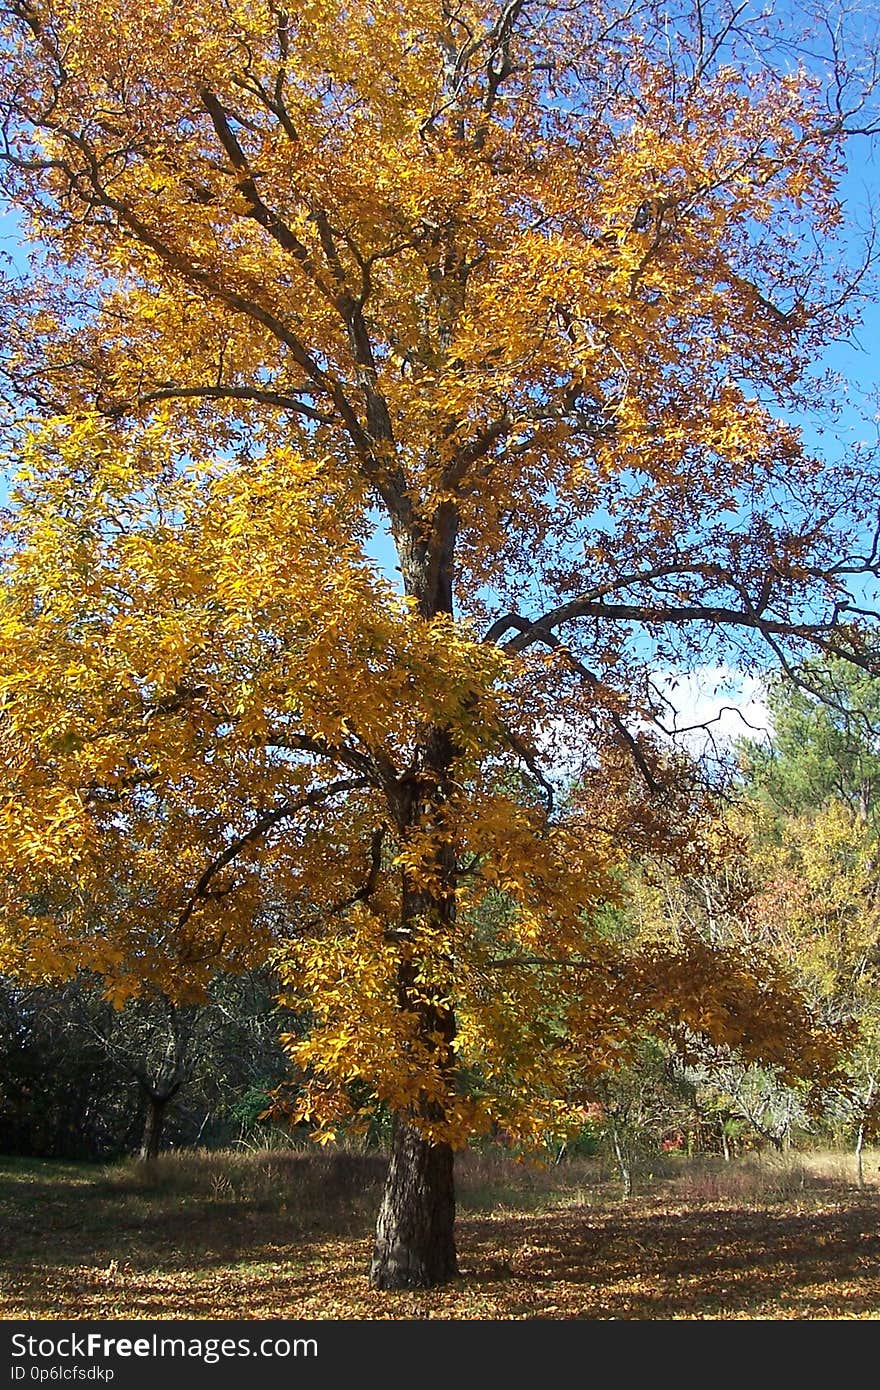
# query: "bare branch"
537,632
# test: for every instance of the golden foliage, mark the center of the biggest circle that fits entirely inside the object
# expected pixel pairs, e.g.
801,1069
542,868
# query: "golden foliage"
521,287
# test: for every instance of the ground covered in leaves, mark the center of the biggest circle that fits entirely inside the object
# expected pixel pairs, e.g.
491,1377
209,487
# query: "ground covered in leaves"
287,1235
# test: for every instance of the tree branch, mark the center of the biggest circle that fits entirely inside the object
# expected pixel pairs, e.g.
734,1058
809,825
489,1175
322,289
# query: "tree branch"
169,392
537,632
264,824
678,615
247,187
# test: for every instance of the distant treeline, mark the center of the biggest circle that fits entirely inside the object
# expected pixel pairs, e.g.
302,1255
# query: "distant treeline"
81,1079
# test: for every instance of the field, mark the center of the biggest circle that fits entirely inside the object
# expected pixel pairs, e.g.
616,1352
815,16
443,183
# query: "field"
287,1235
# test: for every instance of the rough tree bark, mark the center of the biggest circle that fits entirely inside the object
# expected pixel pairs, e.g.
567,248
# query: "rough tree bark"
157,1110
415,1230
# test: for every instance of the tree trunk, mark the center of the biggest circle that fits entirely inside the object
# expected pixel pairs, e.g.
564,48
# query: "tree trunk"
623,1165
415,1231
157,1106
860,1137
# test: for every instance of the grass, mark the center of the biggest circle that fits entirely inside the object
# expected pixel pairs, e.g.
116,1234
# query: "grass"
286,1234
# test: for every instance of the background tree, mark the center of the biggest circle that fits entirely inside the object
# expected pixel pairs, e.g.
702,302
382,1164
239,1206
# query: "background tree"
78,1075
218,1055
814,851
644,1108
61,1096
798,878
537,286
824,744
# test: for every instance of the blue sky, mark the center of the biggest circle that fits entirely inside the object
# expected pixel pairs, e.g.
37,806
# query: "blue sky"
859,360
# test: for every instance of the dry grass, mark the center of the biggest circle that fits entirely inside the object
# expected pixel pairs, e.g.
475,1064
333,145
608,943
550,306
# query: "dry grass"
312,1185
287,1234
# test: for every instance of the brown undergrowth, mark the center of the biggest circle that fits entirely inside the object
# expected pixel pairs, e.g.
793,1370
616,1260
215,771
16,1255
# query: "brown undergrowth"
287,1235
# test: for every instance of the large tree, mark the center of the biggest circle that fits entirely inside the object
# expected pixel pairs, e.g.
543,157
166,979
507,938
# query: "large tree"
531,290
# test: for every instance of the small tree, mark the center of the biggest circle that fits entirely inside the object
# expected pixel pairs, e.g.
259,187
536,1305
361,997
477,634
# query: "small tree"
220,1048
643,1107
73,1067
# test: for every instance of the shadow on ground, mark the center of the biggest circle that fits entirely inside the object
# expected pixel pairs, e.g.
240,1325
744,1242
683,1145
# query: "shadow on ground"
706,1262
293,1241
